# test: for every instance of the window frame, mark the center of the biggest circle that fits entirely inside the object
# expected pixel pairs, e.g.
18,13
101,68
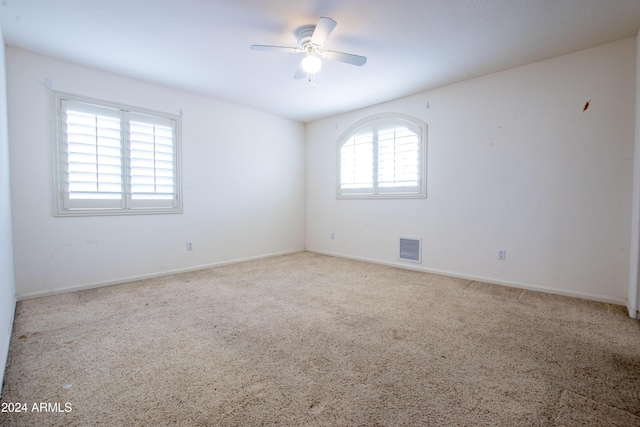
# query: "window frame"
373,123
63,206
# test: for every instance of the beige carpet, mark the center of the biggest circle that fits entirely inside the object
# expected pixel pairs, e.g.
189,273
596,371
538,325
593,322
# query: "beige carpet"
311,340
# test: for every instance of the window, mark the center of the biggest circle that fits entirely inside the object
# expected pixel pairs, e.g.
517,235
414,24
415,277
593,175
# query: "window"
383,156
112,159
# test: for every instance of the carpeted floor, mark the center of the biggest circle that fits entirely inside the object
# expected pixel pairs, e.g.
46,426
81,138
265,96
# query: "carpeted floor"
311,340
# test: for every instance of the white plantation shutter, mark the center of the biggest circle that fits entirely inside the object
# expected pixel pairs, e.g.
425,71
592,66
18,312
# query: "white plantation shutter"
398,159
356,164
383,156
93,152
111,160
152,168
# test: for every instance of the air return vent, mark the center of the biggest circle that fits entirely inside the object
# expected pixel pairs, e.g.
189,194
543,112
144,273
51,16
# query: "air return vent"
410,249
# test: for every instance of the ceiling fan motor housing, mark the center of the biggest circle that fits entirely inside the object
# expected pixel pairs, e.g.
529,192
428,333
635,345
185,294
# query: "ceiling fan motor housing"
304,34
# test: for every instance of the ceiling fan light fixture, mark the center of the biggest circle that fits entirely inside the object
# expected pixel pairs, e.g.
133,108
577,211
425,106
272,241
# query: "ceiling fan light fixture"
311,64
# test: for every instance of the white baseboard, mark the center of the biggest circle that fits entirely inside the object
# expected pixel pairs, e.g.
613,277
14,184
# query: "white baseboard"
585,296
129,279
4,346
633,313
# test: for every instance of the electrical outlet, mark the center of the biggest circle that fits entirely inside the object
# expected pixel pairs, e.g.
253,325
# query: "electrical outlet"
501,254
189,246
333,236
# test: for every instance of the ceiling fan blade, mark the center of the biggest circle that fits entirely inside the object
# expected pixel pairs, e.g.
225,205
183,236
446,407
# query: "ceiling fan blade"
300,73
344,57
322,31
277,48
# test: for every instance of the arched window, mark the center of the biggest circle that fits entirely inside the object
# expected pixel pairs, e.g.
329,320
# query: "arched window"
383,156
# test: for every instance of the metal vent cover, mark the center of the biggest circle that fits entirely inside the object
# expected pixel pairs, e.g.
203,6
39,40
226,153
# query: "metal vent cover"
410,249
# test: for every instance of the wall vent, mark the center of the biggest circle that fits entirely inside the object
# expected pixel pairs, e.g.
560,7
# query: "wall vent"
410,249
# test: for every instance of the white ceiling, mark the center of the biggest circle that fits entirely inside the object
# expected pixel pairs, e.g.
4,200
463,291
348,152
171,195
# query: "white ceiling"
202,46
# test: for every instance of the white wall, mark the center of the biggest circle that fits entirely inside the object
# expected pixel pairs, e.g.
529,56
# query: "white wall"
633,304
513,163
242,174
7,289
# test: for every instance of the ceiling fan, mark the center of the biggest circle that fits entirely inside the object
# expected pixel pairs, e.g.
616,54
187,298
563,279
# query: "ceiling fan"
311,39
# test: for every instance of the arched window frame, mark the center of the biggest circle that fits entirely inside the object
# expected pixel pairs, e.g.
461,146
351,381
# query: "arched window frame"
370,127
